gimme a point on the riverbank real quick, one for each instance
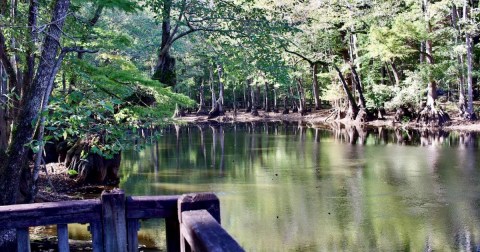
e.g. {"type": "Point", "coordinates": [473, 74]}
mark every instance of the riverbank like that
{"type": "Point", "coordinates": [57, 185]}
{"type": "Point", "coordinates": [324, 117]}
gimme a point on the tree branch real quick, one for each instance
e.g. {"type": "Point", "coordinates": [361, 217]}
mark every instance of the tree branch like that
{"type": "Point", "coordinates": [12, 76]}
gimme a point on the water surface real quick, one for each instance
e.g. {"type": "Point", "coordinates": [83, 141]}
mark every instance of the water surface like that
{"type": "Point", "coordinates": [285, 187]}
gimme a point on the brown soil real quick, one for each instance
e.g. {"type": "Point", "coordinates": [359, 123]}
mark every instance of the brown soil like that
{"type": "Point", "coordinates": [322, 117]}
{"type": "Point", "coordinates": [57, 185]}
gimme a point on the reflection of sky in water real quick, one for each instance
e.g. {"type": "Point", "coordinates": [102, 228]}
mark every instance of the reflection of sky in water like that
{"type": "Point", "coordinates": [285, 188]}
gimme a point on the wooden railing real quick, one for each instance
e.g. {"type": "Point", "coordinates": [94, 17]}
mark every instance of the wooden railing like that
{"type": "Point", "coordinates": [192, 221]}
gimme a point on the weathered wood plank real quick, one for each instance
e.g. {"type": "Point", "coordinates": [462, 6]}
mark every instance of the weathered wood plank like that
{"type": "Point", "coordinates": [204, 233]}
{"type": "Point", "coordinates": [23, 240]}
{"type": "Point", "coordinates": [97, 236]}
{"type": "Point", "coordinates": [197, 201]}
{"type": "Point", "coordinates": [146, 207]}
{"type": "Point", "coordinates": [114, 221]}
{"type": "Point", "coordinates": [62, 234]}
{"type": "Point", "coordinates": [172, 229]}
{"type": "Point", "coordinates": [133, 225]}
{"type": "Point", "coordinates": [41, 214]}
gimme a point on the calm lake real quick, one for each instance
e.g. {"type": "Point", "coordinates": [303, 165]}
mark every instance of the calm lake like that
{"type": "Point", "coordinates": [288, 188]}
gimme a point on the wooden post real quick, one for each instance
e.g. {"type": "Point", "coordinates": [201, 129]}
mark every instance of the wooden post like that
{"type": "Point", "coordinates": [95, 229]}
{"type": "Point", "coordinates": [62, 234]}
{"type": "Point", "coordinates": [197, 201]}
{"type": "Point", "coordinates": [172, 228]}
{"type": "Point", "coordinates": [114, 221]}
{"type": "Point", "coordinates": [133, 225]}
{"type": "Point", "coordinates": [23, 240]}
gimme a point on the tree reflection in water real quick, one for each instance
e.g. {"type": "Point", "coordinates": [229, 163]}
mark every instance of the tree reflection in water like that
{"type": "Point", "coordinates": [288, 187]}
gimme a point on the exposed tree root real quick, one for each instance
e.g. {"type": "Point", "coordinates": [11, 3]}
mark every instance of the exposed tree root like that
{"type": "Point", "coordinates": [431, 116]}
{"type": "Point", "coordinates": [92, 168]}
{"type": "Point", "coordinates": [202, 110]}
{"type": "Point", "coordinates": [216, 111]}
{"type": "Point", "coordinates": [404, 113]}
{"type": "Point", "coordinates": [179, 112]}
{"type": "Point", "coordinates": [254, 112]}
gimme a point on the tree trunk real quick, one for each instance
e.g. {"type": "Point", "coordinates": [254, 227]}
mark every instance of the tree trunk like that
{"type": "Point", "coordinates": [285, 105]}
{"type": "Point", "coordinates": [395, 74]}
{"type": "Point", "coordinates": [316, 92]}
{"type": "Point", "coordinates": [468, 40]}
{"type": "Point", "coordinates": [15, 86]}
{"type": "Point", "coordinates": [254, 100]}
{"type": "Point", "coordinates": [202, 110]}
{"type": "Point", "coordinates": [383, 74]}
{"type": "Point", "coordinates": [24, 128]}
{"type": "Point", "coordinates": [220, 87]}
{"type": "Point", "coordinates": [32, 38]}
{"type": "Point", "coordinates": [359, 87]}
{"type": "Point", "coordinates": [461, 76]}
{"type": "Point", "coordinates": [275, 106]}
{"type": "Point", "coordinates": [165, 67]}
{"type": "Point", "coordinates": [294, 101]}
{"type": "Point", "coordinates": [430, 114]}
{"type": "Point", "coordinates": [266, 106]}
{"type": "Point", "coordinates": [245, 105]}
{"type": "Point", "coordinates": [4, 120]}
{"type": "Point", "coordinates": [234, 101]}
{"type": "Point", "coordinates": [352, 105]}
{"type": "Point", "coordinates": [301, 97]}
{"type": "Point", "coordinates": [212, 88]}
{"type": "Point", "coordinates": [432, 85]}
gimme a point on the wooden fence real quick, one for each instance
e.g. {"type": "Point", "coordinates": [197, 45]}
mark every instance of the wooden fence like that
{"type": "Point", "coordinates": [192, 221]}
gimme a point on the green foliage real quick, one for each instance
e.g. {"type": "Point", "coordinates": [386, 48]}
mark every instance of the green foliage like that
{"type": "Point", "coordinates": [72, 173]}
{"type": "Point", "coordinates": [378, 95]}
{"type": "Point", "coordinates": [411, 91]}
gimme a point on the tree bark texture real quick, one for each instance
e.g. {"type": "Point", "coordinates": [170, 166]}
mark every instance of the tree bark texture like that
{"type": "Point", "coordinates": [165, 67]}
{"type": "Point", "coordinates": [24, 127]}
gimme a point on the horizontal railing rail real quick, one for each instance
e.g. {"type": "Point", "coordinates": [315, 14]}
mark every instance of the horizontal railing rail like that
{"type": "Point", "coordinates": [204, 233]}
{"type": "Point", "coordinates": [192, 221]}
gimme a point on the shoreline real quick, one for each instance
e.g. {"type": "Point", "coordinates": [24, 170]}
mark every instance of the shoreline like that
{"type": "Point", "coordinates": [322, 118]}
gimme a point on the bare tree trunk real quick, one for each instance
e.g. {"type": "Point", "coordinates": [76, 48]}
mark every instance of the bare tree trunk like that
{"type": "Point", "coordinates": [247, 96]}
{"type": "Point", "coordinates": [254, 100]}
{"type": "Point", "coordinates": [462, 104]}
{"type": "Point", "coordinates": [468, 40]}
{"type": "Point", "coordinates": [234, 102]}
{"type": "Point", "coordinates": [275, 106]}
{"type": "Point", "coordinates": [294, 101]}
{"type": "Point", "coordinates": [266, 105]}
{"type": "Point", "coordinates": [301, 97]}
{"type": "Point", "coordinates": [202, 110]}
{"type": "Point", "coordinates": [32, 37]}
{"type": "Point", "coordinates": [422, 55]}
{"type": "Point", "coordinates": [432, 85]}
{"type": "Point", "coordinates": [356, 78]}
{"type": "Point", "coordinates": [383, 74]}
{"type": "Point", "coordinates": [220, 88]}
{"type": "Point", "coordinates": [15, 85]}
{"type": "Point", "coordinates": [24, 130]}
{"type": "Point", "coordinates": [316, 92]}
{"type": "Point", "coordinates": [431, 115]}
{"type": "Point", "coordinates": [212, 88]}
{"type": "Point", "coordinates": [4, 120]}
{"type": "Point", "coordinates": [395, 74]}
{"type": "Point", "coordinates": [352, 105]}
{"type": "Point", "coordinates": [165, 67]}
